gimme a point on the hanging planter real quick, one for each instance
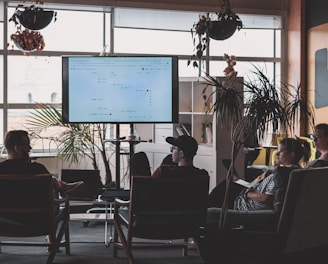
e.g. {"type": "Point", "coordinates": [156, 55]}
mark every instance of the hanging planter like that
{"type": "Point", "coordinates": [218, 26]}
{"type": "Point", "coordinates": [224, 29]}
{"type": "Point", "coordinates": [33, 17]}
{"type": "Point", "coordinates": [28, 41]}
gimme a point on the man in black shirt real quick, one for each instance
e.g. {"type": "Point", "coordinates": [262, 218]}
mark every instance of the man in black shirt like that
{"type": "Point", "coordinates": [17, 144]}
{"type": "Point", "coordinates": [183, 149]}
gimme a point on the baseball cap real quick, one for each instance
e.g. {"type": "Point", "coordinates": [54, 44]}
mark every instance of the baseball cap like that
{"type": "Point", "coordinates": [188, 144]}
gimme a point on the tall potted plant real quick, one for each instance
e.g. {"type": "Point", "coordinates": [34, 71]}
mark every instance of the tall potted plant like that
{"type": "Point", "coordinates": [264, 106]}
{"type": "Point", "coordinates": [74, 141]}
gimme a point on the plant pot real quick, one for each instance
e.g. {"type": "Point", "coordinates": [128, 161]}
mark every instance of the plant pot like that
{"type": "Point", "coordinates": [34, 19]}
{"type": "Point", "coordinates": [223, 29]}
{"type": "Point", "coordinates": [28, 40]}
{"type": "Point", "coordinates": [217, 246]}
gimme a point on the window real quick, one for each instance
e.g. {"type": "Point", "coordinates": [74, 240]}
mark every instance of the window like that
{"type": "Point", "coordinates": [37, 78]}
{"type": "Point", "coordinates": [34, 79]}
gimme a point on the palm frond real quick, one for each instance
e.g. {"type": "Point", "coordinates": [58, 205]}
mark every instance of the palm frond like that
{"type": "Point", "coordinates": [73, 142]}
{"type": "Point", "coordinates": [227, 99]}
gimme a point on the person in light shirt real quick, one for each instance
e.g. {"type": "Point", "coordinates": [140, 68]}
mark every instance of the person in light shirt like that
{"type": "Point", "coordinates": [291, 152]}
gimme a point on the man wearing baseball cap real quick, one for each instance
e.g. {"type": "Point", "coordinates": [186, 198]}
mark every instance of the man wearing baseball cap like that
{"type": "Point", "coordinates": [183, 149]}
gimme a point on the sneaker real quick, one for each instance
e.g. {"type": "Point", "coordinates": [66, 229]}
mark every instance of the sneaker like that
{"type": "Point", "coordinates": [72, 187]}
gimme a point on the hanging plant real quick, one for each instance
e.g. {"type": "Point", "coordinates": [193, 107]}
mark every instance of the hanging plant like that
{"type": "Point", "coordinates": [218, 26]}
{"type": "Point", "coordinates": [28, 41]}
{"type": "Point", "coordinates": [33, 17]}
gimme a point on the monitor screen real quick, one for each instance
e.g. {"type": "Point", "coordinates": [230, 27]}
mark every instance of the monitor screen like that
{"type": "Point", "coordinates": [122, 89]}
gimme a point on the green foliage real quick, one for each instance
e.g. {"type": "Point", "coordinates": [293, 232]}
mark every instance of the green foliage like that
{"type": "Point", "coordinates": [266, 106]}
{"type": "Point", "coordinates": [73, 141]}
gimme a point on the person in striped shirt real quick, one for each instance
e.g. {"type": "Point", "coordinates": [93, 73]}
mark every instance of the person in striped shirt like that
{"type": "Point", "coordinates": [291, 152]}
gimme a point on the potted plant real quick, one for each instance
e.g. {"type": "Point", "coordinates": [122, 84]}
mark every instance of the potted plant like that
{"type": "Point", "coordinates": [74, 141]}
{"type": "Point", "coordinates": [218, 26]}
{"type": "Point", "coordinates": [260, 107]}
{"type": "Point", "coordinates": [28, 41]}
{"type": "Point", "coordinates": [33, 18]}
{"type": "Point", "coordinates": [265, 105]}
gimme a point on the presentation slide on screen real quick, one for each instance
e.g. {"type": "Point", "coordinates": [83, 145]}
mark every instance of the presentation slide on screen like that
{"type": "Point", "coordinates": [120, 89]}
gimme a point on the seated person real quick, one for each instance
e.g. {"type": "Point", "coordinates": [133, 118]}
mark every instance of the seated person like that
{"type": "Point", "coordinates": [139, 164]}
{"type": "Point", "coordinates": [320, 139]}
{"type": "Point", "coordinates": [17, 144]}
{"type": "Point", "coordinates": [262, 196]}
{"type": "Point", "coordinates": [183, 149]}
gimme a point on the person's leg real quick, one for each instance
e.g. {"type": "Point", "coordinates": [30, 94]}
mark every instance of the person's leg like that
{"type": "Point", "coordinates": [65, 188]}
{"type": "Point", "coordinates": [216, 196]}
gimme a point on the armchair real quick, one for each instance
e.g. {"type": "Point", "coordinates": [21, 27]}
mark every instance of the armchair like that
{"type": "Point", "coordinates": [297, 234]}
{"type": "Point", "coordinates": [160, 209]}
{"type": "Point", "coordinates": [28, 209]}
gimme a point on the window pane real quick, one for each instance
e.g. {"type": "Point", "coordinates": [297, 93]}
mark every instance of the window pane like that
{"type": "Point", "coordinates": [152, 41]}
{"type": "Point", "coordinates": [261, 21]}
{"type": "Point", "coordinates": [247, 69]}
{"type": "Point", "coordinates": [1, 127]}
{"type": "Point", "coordinates": [182, 20]}
{"type": "Point", "coordinates": [72, 31]}
{"type": "Point", "coordinates": [107, 40]}
{"type": "Point", "coordinates": [75, 31]}
{"type": "Point", "coordinates": [1, 11]}
{"type": "Point", "coordinates": [187, 71]}
{"type": "Point", "coordinates": [244, 69]}
{"type": "Point", "coordinates": [278, 43]}
{"type": "Point", "coordinates": [34, 79]}
{"type": "Point", "coordinates": [154, 19]}
{"type": "Point", "coordinates": [1, 79]}
{"type": "Point", "coordinates": [246, 42]}
{"type": "Point", "coordinates": [1, 34]}
{"type": "Point", "coordinates": [17, 119]}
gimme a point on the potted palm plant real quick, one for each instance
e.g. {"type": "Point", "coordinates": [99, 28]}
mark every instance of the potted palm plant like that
{"type": "Point", "coordinates": [260, 107]}
{"type": "Point", "coordinates": [74, 141]}
{"type": "Point", "coordinates": [264, 106]}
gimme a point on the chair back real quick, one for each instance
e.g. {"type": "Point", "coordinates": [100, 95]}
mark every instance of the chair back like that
{"type": "Point", "coordinates": [26, 205]}
{"type": "Point", "coordinates": [305, 213]}
{"type": "Point", "coordinates": [168, 208]}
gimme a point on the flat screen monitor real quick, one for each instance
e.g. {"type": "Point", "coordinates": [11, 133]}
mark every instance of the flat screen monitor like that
{"type": "Point", "coordinates": [120, 89]}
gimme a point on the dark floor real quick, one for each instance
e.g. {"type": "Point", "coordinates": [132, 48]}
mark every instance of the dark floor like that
{"type": "Point", "coordinates": [87, 246]}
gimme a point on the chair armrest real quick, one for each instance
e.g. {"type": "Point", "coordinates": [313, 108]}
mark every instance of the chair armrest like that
{"type": "Point", "coordinates": [264, 220]}
{"type": "Point", "coordinates": [119, 202]}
